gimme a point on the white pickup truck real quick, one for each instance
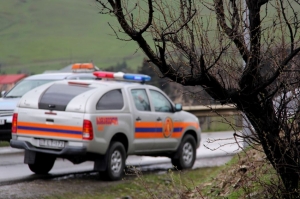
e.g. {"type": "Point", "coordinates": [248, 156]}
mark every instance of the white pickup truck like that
{"type": "Point", "coordinates": [103, 121]}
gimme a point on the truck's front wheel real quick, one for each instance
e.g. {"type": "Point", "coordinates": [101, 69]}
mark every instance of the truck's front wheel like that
{"type": "Point", "coordinates": [43, 163]}
{"type": "Point", "coordinates": [186, 153]}
{"type": "Point", "coordinates": [116, 156]}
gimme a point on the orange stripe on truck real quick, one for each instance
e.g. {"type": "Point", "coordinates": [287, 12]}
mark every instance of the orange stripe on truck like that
{"type": "Point", "coordinates": [50, 130]}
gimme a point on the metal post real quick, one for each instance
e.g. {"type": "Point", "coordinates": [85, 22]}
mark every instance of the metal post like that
{"type": "Point", "coordinates": [246, 124]}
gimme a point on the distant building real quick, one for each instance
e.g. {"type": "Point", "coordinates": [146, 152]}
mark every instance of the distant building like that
{"type": "Point", "coordinates": [8, 81]}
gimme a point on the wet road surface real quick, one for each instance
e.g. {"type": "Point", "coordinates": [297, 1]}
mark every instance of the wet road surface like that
{"type": "Point", "coordinates": [215, 149]}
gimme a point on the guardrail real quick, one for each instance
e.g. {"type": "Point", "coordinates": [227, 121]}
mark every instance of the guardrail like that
{"type": "Point", "coordinates": [212, 118]}
{"type": "Point", "coordinates": [212, 110]}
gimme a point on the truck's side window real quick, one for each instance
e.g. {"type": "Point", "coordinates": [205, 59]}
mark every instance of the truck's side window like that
{"type": "Point", "coordinates": [160, 102]}
{"type": "Point", "coordinates": [112, 100]}
{"type": "Point", "coordinates": [141, 100]}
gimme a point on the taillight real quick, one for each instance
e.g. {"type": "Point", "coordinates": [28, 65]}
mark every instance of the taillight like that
{"type": "Point", "coordinates": [87, 131]}
{"type": "Point", "coordinates": [14, 123]}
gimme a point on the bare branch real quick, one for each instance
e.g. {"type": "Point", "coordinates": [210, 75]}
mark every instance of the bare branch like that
{"type": "Point", "coordinates": [150, 17]}
{"type": "Point", "coordinates": [278, 71]}
{"type": "Point", "coordinates": [232, 33]}
{"type": "Point", "coordinates": [288, 25]}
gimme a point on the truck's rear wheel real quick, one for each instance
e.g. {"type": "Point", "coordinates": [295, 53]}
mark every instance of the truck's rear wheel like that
{"type": "Point", "coordinates": [186, 153]}
{"type": "Point", "coordinates": [116, 156]}
{"type": "Point", "coordinates": [43, 163]}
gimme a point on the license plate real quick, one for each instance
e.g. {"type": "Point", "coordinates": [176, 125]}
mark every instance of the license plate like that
{"type": "Point", "coordinates": [57, 144]}
{"type": "Point", "coordinates": [2, 122]}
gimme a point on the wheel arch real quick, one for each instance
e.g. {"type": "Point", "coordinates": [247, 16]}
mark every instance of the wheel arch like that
{"type": "Point", "coordinates": [193, 134]}
{"type": "Point", "coordinates": [121, 137]}
{"type": "Point", "coordinates": [184, 157]}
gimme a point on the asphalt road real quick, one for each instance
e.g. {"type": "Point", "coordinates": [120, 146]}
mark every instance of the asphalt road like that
{"type": "Point", "coordinates": [216, 149]}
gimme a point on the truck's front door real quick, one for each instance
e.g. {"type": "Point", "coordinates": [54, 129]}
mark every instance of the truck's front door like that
{"type": "Point", "coordinates": [145, 121]}
{"type": "Point", "coordinates": [169, 134]}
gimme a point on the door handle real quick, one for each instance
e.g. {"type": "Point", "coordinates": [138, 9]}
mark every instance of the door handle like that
{"type": "Point", "coordinates": [158, 119]}
{"type": "Point", "coordinates": [138, 119]}
{"type": "Point", "coordinates": [50, 120]}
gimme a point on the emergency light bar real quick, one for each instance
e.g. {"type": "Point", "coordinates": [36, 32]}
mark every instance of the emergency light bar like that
{"type": "Point", "coordinates": [122, 76]}
{"type": "Point", "coordinates": [83, 67]}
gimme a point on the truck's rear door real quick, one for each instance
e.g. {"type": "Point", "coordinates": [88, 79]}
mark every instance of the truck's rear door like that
{"type": "Point", "coordinates": [56, 119]}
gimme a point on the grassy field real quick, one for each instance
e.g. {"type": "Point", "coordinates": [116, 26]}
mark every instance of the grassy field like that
{"type": "Point", "coordinates": [41, 35]}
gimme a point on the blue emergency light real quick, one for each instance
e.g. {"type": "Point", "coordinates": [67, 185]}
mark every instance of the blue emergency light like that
{"type": "Point", "coordinates": [137, 77]}
{"type": "Point", "coordinates": [122, 76]}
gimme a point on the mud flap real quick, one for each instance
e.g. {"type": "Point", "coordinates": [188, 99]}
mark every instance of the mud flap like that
{"type": "Point", "coordinates": [29, 157]}
{"type": "Point", "coordinates": [100, 163]}
{"type": "Point", "coordinates": [175, 155]}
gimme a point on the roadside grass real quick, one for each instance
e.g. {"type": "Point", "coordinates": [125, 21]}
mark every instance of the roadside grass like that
{"type": "Point", "coordinates": [216, 124]}
{"type": "Point", "coordinates": [4, 144]}
{"type": "Point", "coordinates": [170, 184]}
{"type": "Point", "coordinates": [246, 175]}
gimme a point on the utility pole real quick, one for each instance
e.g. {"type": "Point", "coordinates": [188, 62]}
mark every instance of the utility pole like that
{"type": "Point", "coordinates": [246, 124]}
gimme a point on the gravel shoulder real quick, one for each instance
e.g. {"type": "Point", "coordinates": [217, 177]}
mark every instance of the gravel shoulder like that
{"type": "Point", "coordinates": [81, 183]}
{"type": "Point", "coordinates": [88, 183]}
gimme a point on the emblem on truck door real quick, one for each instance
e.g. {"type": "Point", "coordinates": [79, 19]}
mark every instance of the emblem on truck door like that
{"type": "Point", "coordinates": [168, 127]}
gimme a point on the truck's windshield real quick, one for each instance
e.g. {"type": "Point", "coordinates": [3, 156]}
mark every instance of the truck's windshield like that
{"type": "Point", "coordinates": [24, 86]}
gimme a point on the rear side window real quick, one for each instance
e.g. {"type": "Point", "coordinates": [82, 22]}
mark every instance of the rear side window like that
{"type": "Point", "coordinates": [112, 100]}
{"type": "Point", "coordinates": [57, 96]}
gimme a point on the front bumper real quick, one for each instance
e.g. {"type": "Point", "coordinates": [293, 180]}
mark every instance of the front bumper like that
{"type": "Point", "coordinates": [68, 150]}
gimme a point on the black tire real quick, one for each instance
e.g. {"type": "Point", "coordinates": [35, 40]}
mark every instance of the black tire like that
{"type": "Point", "coordinates": [43, 163]}
{"type": "Point", "coordinates": [116, 157]}
{"type": "Point", "coordinates": [185, 156]}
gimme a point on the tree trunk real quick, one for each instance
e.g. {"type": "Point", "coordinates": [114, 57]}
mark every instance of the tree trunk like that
{"type": "Point", "coordinates": [286, 164]}
{"type": "Point", "coordinates": [284, 160]}
{"type": "Point", "coordinates": [280, 151]}
{"type": "Point", "coordinates": [290, 179]}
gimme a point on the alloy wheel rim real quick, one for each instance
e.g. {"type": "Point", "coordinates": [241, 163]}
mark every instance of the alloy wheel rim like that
{"type": "Point", "coordinates": [187, 153]}
{"type": "Point", "coordinates": [116, 162]}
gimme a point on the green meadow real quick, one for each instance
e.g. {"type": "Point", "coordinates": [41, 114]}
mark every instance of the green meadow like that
{"type": "Point", "coordinates": [39, 35]}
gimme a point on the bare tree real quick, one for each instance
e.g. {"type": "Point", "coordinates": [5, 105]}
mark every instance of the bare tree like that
{"type": "Point", "coordinates": [247, 57]}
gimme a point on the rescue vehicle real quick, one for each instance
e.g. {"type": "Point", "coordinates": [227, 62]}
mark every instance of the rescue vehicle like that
{"type": "Point", "coordinates": [103, 121]}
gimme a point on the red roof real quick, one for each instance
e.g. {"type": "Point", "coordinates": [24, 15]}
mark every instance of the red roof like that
{"type": "Point", "coordinates": [8, 79]}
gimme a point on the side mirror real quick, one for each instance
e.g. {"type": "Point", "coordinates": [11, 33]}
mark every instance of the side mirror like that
{"type": "Point", "coordinates": [178, 107]}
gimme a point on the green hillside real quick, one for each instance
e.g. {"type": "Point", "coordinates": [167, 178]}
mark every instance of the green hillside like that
{"type": "Point", "coordinates": [39, 35]}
